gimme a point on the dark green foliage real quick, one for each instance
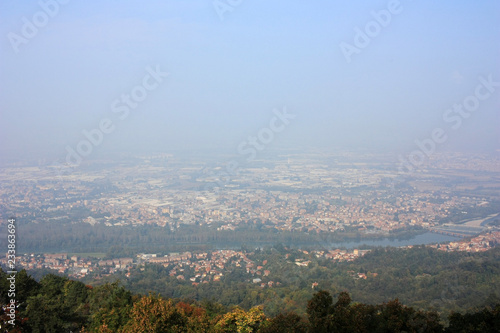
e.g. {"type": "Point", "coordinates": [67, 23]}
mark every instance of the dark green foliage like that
{"type": "Point", "coordinates": [58, 304]}
{"type": "Point", "coordinates": [52, 285]}
{"type": "Point", "coordinates": [388, 317]}
{"type": "Point", "coordinates": [483, 321]}
{"type": "Point", "coordinates": [45, 314]}
{"type": "Point", "coordinates": [110, 305]}
{"type": "Point", "coordinates": [319, 309]}
{"type": "Point", "coordinates": [26, 286]}
{"type": "Point", "coordinates": [286, 323]}
{"type": "Point", "coordinates": [213, 308]}
{"type": "Point", "coordinates": [75, 296]}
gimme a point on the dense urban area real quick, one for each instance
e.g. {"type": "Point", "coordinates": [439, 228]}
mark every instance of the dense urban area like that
{"type": "Point", "coordinates": [316, 193]}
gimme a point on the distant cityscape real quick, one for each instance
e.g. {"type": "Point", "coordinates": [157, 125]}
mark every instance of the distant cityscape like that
{"type": "Point", "coordinates": [313, 193]}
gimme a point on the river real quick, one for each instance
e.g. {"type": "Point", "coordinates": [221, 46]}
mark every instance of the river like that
{"type": "Point", "coordinates": [422, 239]}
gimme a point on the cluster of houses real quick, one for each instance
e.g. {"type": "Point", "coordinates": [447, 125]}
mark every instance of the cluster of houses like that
{"type": "Point", "coordinates": [480, 243]}
{"type": "Point", "coordinates": [72, 265]}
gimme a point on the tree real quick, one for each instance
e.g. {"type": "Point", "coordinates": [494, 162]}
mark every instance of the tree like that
{"type": "Point", "coordinates": [109, 305]}
{"type": "Point", "coordinates": [286, 323]}
{"type": "Point", "coordinates": [484, 321]}
{"type": "Point", "coordinates": [154, 314]}
{"type": "Point", "coordinates": [318, 310]}
{"type": "Point", "coordinates": [45, 314]}
{"type": "Point", "coordinates": [52, 285]}
{"type": "Point", "coordinates": [240, 321]}
{"type": "Point", "coordinates": [76, 296]}
{"type": "Point", "coordinates": [197, 319]}
{"type": "Point", "coordinates": [395, 317]}
{"type": "Point", "coordinates": [26, 286]}
{"type": "Point", "coordinates": [340, 319]}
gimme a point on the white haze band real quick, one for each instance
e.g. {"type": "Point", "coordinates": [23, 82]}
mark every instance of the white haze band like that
{"type": "Point", "coordinates": [453, 115]}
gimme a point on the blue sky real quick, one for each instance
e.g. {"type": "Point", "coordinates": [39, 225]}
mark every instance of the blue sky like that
{"type": "Point", "coordinates": [226, 76]}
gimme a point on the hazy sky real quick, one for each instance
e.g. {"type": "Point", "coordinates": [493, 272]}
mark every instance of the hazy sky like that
{"type": "Point", "coordinates": [384, 88]}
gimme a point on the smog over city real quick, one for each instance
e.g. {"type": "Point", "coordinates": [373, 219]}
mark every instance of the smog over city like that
{"type": "Point", "coordinates": [239, 163]}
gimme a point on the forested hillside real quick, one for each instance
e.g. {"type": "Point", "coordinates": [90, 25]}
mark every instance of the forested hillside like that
{"type": "Point", "coordinates": [421, 277]}
{"type": "Point", "coordinates": [419, 289]}
{"type": "Point", "coordinates": [57, 304]}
